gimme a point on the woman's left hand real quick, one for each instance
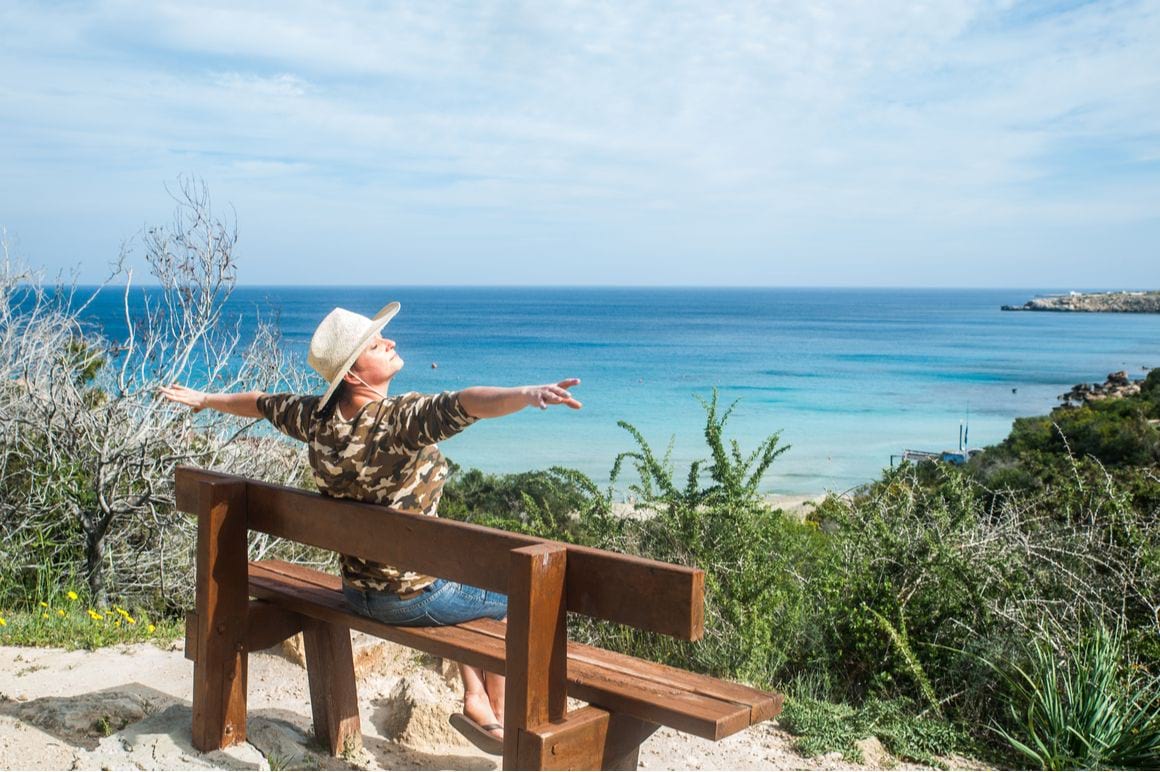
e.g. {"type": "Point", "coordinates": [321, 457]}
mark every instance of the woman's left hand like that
{"type": "Point", "coordinates": [175, 392]}
{"type": "Point", "coordinates": [553, 394]}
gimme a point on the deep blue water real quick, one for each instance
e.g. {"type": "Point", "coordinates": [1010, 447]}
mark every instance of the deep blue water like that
{"type": "Point", "coordinates": [848, 376]}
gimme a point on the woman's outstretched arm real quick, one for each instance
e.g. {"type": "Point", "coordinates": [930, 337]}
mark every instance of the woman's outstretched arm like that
{"type": "Point", "coordinates": [243, 403]}
{"type": "Point", "coordinates": [494, 401]}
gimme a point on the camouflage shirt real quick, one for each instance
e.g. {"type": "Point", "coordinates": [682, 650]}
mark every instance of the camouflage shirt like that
{"type": "Point", "coordinates": [385, 454]}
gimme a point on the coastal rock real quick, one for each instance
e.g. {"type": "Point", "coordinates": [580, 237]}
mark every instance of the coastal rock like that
{"type": "Point", "coordinates": [1095, 302]}
{"type": "Point", "coordinates": [1118, 384]}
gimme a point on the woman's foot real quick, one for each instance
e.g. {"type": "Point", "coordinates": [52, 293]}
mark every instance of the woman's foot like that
{"type": "Point", "coordinates": [477, 707]}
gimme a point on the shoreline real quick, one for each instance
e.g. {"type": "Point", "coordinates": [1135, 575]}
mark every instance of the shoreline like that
{"type": "Point", "coordinates": [794, 504]}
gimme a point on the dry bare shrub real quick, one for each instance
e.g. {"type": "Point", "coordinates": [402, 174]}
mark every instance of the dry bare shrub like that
{"type": "Point", "coordinates": [88, 449]}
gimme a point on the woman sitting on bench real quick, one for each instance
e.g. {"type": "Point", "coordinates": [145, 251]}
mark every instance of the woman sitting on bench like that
{"type": "Point", "coordinates": [368, 446]}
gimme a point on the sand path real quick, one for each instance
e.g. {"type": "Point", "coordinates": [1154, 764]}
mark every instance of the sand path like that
{"type": "Point", "coordinates": [128, 707]}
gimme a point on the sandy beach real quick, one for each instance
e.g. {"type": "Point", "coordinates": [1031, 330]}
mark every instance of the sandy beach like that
{"type": "Point", "coordinates": [128, 707]}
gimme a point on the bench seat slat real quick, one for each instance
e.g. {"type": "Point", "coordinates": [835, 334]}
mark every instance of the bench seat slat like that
{"type": "Point", "coordinates": [323, 603]}
{"type": "Point", "coordinates": [681, 700]}
{"type": "Point", "coordinates": [761, 705]}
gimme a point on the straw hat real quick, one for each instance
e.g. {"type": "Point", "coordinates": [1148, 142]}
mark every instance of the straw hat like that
{"type": "Point", "coordinates": [339, 340]}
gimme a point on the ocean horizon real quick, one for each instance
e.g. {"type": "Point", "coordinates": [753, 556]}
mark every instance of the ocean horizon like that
{"type": "Point", "coordinates": [848, 376]}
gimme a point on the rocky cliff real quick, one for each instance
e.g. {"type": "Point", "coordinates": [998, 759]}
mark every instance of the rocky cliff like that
{"type": "Point", "coordinates": [1117, 302]}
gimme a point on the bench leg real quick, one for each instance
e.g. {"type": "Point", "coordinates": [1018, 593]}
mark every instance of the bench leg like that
{"type": "Point", "coordinates": [333, 694]}
{"type": "Point", "coordinates": [219, 693]}
{"type": "Point", "coordinates": [622, 745]}
{"type": "Point", "coordinates": [219, 669]}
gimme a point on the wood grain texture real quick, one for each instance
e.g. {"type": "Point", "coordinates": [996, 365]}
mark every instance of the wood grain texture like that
{"type": "Point", "coordinates": [333, 694]}
{"type": "Point", "coordinates": [575, 742]}
{"type": "Point", "coordinates": [219, 671]}
{"type": "Point", "coordinates": [621, 683]}
{"type": "Point", "coordinates": [268, 624]}
{"type": "Point", "coordinates": [191, 636]}
{"type": "Point", "coordinates": [317, 595]}
{"type": "Point", "coordinates": [536, 643]}
{"type": "Point", "coordinates": [622, 744]}
{"type": "Point", "coordinates": [601, 584]}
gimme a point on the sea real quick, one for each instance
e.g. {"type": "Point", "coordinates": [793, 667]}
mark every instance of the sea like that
{"type": "Point", "coordinates": [848, 378]}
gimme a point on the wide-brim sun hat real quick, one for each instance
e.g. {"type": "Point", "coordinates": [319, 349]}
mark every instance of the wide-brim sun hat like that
{"type": "Point", "coordinates": [340, 338]}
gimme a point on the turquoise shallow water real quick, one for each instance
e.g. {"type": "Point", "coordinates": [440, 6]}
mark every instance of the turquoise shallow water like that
{"type": "Point", "coordinates": [848, 376]}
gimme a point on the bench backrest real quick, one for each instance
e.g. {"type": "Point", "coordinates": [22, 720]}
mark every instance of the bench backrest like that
{"type": "Point", "coordinates": [646, 594]}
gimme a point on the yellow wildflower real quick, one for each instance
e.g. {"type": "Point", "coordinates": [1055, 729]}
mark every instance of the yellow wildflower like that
{"type": "Point", "coordinates": [130, 620]}
{"type": "Point", "coordinates": [44, 615]}
{"type": "Point", "coordinates": [72, 595]}
{"type": "Point", "coordinates": [43, 604]}
{"type": "Point", "coordinates": [3, 622]}
{"type": "Point", "coordinates": [150, 629]}
{"type": "Point", "coordinates": [117, 623]}
{"type": "Point", "coordinates": [60, 612]}
{"type": "Point", "coordinates": [94, 615]}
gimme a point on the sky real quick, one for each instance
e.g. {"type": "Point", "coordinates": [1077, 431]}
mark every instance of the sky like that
{"type": "Point", "coordinates": [815, 143]}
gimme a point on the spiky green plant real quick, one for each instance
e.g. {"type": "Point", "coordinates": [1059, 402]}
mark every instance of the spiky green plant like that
{"type": "Point", "coordinates": [1089, 709]}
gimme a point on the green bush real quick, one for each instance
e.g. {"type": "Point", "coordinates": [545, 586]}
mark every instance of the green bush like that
{"type": "Point", "coordinates": [555, 503]}
{"type": "Point", "coordinates": [891, 600]}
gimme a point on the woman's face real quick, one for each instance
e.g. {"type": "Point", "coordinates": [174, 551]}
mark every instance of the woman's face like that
{"type": "Point", "coordinates": [379, 362]}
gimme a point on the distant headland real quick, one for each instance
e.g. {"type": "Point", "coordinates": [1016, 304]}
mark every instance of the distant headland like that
{"type": "Point", "coordinates": [1126, 302]}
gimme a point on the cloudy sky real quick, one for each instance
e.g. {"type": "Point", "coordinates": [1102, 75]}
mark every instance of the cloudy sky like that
{"type": "Point", "coordinates": [777, 143]}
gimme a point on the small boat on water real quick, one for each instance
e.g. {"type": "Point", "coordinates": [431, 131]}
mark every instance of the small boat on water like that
{"type": "Point", "coordinates": [960, 456]}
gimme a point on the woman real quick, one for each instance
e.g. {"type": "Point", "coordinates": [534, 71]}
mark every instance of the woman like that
{"type": "Point", "coordinates": [366, 445]}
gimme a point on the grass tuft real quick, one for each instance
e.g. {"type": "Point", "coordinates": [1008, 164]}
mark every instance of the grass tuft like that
{"type": "Point", "coordinates": [75, 626]}
{"type": "Point", "coordinates": [826, 727]}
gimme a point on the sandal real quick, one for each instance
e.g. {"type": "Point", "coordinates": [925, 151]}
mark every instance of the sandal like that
{"type": "Point", "coordinates": [478, 735]}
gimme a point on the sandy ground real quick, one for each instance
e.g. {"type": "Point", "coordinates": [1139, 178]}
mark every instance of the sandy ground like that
{"type": "Point", "coordinates": [797, 505]}
{"type": "Point", "coordinates": [129, 708]}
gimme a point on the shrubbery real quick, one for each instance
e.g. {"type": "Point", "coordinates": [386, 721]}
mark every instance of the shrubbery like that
{"type": "Point", "coordinates": [87, 449]}
{"type": "Point", "coordinates": [922, 594]}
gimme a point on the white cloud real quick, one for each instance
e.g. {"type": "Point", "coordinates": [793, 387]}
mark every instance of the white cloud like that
{"type": "Point", "coordinates": [753, 120]}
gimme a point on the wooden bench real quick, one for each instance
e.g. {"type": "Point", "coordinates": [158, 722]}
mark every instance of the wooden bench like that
{"type": "Point", "coordinates": [244, 606]}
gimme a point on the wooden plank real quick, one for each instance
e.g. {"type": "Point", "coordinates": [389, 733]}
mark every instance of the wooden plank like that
{"type": "Point", "coordinates": [481, 643]}
{"type": "Point", "coordinates": [536, 644]}
{"type": "Point", "coordinates": [268, 624]}
{"type": "Point", "coordinates": [321, 603]}
{"type": "Point", "coordinates": [219, 672]}
{"type": "Point", "coordinates": [759, 705]}
{"type": "Point", "coordinates": [576, 741]}
{"type": "Point", "coordinates": [191, 636]}
{"type": "Point", "coordinates": [599, 584]}
{"type": "Point", "coordinates": [333, 694]}
{"type": "Point", "coordinates": [676, 708]}
{"type": "Point", "coordinates": [762, 706]}
{"type": "Point", "coordinates": [639, 592]}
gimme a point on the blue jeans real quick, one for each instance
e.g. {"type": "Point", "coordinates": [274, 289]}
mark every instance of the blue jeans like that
{"type": "Point", "coordinates": [441, 603]}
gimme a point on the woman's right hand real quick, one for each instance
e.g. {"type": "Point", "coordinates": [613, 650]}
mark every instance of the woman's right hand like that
{"type": "Point", "coordinates": [175, 392]}
{"type": "Point", "coordinates": [552, 394]}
